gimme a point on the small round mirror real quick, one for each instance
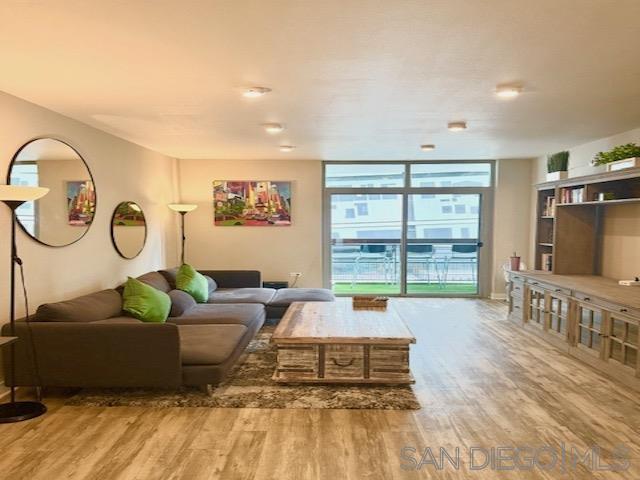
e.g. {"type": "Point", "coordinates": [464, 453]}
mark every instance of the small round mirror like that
{"type": "Point", "coordinates": [128, 229]}
{"type": "Point", "coordinates": [64, 215]}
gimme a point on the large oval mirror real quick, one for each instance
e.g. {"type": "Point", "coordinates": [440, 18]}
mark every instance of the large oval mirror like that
{"type": "Point", "coordinates": [128, 229]}
{"type": "Point", "coordinates": [64, 215]}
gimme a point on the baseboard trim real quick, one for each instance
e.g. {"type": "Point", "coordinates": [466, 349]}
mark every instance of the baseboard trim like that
{"type": "Point", "coordinates": [498, 296]}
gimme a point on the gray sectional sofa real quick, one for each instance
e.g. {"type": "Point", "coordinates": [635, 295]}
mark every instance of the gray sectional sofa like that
{"type": "Point", "coordinates": [89, 342]}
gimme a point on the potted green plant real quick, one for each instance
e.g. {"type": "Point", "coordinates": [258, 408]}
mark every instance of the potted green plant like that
{"type": "Point", "coordinates": [557, 166]}
{"type": "Point", "coordinates": [620, 157]}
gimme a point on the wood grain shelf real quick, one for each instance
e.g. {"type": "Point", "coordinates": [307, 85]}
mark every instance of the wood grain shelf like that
{"type": "Point", "coordinates": [601, 202]}
{"type": "Point", "coordinates": [577, 228]}
{"type": "Point", "coordinates": [619, 175]}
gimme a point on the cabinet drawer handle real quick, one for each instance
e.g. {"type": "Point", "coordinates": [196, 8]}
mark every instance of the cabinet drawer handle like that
{"type": "Point", "coordinates": [338, 364]}
{"type": "Point", "coordinates": [534, 283]}
{"type": "Point", "coordinates": [558, 289]}
{"type": "Point", "coordinates": [587, 299]}
{"type": "Point", "coordinates": [516, 288]}
{"type": "Point", "coordinates": [516, 306]}
{"type": "Point", "coordinates": [623, 310]}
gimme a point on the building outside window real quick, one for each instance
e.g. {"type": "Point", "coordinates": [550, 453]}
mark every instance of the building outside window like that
{"type": "Point", "coordinates": [362, 209]}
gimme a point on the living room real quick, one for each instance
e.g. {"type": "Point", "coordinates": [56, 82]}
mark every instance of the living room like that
{"type": "Point", "coordinates": [291, 239]}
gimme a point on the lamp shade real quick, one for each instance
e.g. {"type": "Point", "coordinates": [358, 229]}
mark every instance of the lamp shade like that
{"type": "Point", "coordinates": [19, 193]}
{"type": "Point", "coordinates": [182, 207]}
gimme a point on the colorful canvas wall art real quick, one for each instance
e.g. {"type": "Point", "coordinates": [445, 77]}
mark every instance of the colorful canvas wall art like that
{"type": "Point", "coordinates": [81, 202]}
{"type": "Point", "coordinates": [252, 203]}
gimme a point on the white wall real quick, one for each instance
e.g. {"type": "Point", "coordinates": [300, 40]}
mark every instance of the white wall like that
{"type": "Point", "coordinates": [621, 229]}
{"type": "Point", "coordinates": [275, 251]}
{"type": "Point", "coordinates": [511, 217]}
{"type": "Point", "coordinates": [122, 171]}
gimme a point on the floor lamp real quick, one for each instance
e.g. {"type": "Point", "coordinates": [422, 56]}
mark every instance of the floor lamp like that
{"type": "Point", "coordinates": [182, 209]}
{"type": "Point", "coordinates": [13, 196]}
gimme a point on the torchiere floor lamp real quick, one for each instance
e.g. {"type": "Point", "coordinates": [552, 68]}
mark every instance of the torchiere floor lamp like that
{"type": "Point", "coordinates": [182, 209]}
{"type": "Point", "coordinates": [13, 196]}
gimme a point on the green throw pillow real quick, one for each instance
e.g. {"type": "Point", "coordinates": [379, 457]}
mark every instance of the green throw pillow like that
{"type": "Point", "coordinates": [192, 282]}
{"type": "Point", "coordinates": [145, 302]}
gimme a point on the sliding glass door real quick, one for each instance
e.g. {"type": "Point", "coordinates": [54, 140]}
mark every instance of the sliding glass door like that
{"type": "Point", "coordinates": [442, 243]}
{"type": "Point", "coordinates": [407, 228]}
{"type": "Point", "coordinates": [366, 233]}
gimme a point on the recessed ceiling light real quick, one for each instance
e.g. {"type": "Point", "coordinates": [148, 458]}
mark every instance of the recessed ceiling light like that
{"type": "Point", "coordinates": [286, 148]}
{"type": "Point", "coordinates": [427, 148]}
{"type": "Point", "coordinates": [272, 128]}
{"type": "Point", "coordinates": [457, 126]}
{"type": "Point", "coordinates": [255, 92]}
{"type": "Point", "coordinates": [508, 91]}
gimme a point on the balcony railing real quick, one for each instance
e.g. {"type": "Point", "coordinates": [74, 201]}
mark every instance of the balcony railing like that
{"type": "Point", "coordinates": [372, 267]}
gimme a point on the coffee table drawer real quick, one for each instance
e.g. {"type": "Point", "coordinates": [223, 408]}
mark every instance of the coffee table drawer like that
{"type": "Point", "coordinates": [297, 361]}
{"type": "Point", "coordinates": [389, 362]}
{"type": "Point", "coordinates": [343, 361]}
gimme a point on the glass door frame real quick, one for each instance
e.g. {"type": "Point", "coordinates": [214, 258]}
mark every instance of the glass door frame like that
{"type": "Point", "coordinates": [485, 232]}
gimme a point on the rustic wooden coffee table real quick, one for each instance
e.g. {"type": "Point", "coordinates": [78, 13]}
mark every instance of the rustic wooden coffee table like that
{"type": "Point", "coordinates": [330, 342]}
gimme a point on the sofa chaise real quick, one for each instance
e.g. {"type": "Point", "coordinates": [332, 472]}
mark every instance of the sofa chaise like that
{"type": "Point", "coordinates": [90, 342]}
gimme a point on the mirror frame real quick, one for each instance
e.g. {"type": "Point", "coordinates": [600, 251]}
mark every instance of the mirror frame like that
{"type": "Point", "coordinates": [13, 161]}
{"type": "Point", "coordinates": [113, 238]}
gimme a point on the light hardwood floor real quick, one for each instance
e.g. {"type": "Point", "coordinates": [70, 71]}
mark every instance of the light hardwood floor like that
{"type": "Point", "coordinates": [482, 383]}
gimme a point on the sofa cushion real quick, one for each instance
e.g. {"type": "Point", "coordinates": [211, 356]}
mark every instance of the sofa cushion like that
{"type": "Point", "coordinates": [156, 280]}
{"type": "Point", "coordinates": [118, 320]}
{"type": "Point", "coordinates": [88, 308]}
{"type": "Point", "coordinates": [235, 278]}
{"type": "Point", "coordinates": [145, 302]}
{"type": "Point", "coordinates": [194, 283]}
{"type": "Point", "coordinates": [209, 344]}
{"type": "Point", "coordinates": [213, 286]}
{"type": "Point", "coordinates": [181, 302]}
{"type": "Point", "coordinates": [285, 296]}
{"type": "Point", "coordinates": [171, 273]}
{"type": "Point", "coordinates": [206, 314]}
{"type": "Point", "coordinates": [242, 295]}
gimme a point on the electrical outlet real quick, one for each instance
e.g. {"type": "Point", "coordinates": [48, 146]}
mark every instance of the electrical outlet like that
{"type": "Point", "coordinates": [295, 274]}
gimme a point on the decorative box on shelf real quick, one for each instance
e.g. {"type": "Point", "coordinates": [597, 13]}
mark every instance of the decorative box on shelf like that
{"type": "Point", "coordinates": [633, 162]}
{"type": "Point", "coordinates": [553, 176]}
{"type": "Point", "coordinates": [364, 301]}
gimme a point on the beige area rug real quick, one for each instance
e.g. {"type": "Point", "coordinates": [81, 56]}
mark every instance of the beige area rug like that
{"type": "Point", "coordinates": [249, 385]}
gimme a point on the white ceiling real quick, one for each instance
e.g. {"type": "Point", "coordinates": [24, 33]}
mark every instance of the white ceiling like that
{"type": "Point", "coordinates": [351, 79]}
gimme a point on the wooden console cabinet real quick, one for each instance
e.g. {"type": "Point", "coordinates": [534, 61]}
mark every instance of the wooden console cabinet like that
{"type": "Point", "coordinates": [589, 317]}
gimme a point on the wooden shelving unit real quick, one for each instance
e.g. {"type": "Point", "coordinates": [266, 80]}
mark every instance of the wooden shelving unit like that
{"type": "Point", "coordinates": [571, 230]}
{"type": "Point", "coordinates": [572, 306]}
{"type": "Point", "coordinates": [545, 226]}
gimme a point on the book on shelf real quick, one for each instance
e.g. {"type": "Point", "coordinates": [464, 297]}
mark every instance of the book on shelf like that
{"type": "Point", "coordinates": [572, 195]}
{"type": "Point", "coordinates": [547, 262]}
{"type": "Point", "coordinates": [549, 209]}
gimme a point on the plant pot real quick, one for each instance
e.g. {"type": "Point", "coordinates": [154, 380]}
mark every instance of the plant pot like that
{"type": "Point", "coordinates": [633, 162]}
{"type": "Point", "coordinates": [553, 176]}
